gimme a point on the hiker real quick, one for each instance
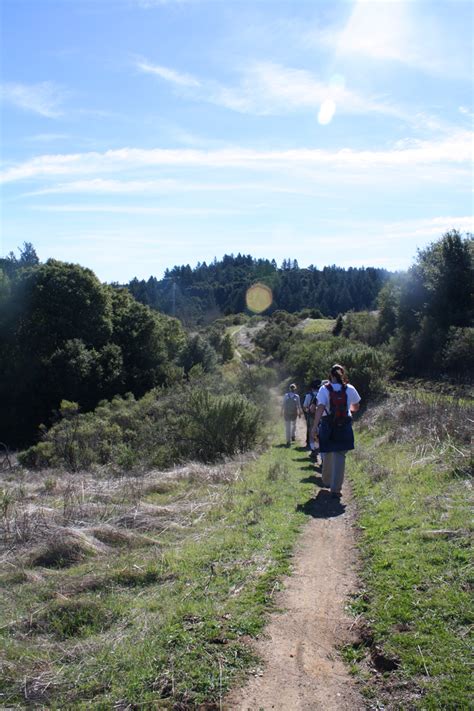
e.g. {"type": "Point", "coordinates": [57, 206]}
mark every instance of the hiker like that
{"type": "Point", "coordinates": [337, 400]}
{"type": "Point", "coordinates": [309, 407]}
{"type": "Point", "coordinates": [291, 409]}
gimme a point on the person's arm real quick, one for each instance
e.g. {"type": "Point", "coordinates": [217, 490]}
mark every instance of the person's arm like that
{"type": "Point", "coordinates": [317, 418]}
{"type": "Point", "coordinates": [354, 402]}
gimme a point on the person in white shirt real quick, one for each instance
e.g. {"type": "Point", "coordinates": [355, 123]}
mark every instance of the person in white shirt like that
{"type": "Point", "coordinates": [337, 400]}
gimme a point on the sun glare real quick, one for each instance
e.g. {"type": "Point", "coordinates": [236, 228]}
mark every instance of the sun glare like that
{"type": "Point", "coordinates": [258, 298]}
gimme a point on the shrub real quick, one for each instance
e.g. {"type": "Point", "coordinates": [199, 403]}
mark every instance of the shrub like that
{"type": "Point", "coordinates": [458, 354]}
{"type": "Point", "coordinates": [367, 367]}
{"type": "Point", "coordinates": [160, 429]}
{"type": "Point", "coordinates": [221, 425]}
{"type": "Point", "coordinates": [361, 326]}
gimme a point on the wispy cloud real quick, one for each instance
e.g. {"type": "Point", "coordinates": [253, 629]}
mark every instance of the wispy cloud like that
{"type": "Point", "coordinates": [44, 98]}
{"type": "Point", "coordinates": [99, 186]}
{"type": "Point", "coordinates": [47, 137]}
{"type": "Point", "coordinates": [454, 150]}
{"type": "Point", "coordinates": [142, 210]}
{"type": "Point", "coordinates": [268, 88]}
{"type": "Point", "coordinates": [167, 74]}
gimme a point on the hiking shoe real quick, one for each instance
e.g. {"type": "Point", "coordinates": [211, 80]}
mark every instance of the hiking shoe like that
{"type": "Point", "coordinates": [293, 439]}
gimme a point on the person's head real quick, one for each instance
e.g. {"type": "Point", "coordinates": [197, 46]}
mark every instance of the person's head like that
{"type": "Point", "coordinates": [337, 374]}
{"type": "Point", "coordinates": [293, 388]}
{"type": "Point", "coordinates": [316, 384]}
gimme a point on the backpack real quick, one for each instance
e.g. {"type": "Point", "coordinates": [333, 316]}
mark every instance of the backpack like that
{"type": "Point", "coordinates": [290, 406]}
{"type": "Point", "coordinates": [313, 405]}
{"type": "Point", "coordinates": [337, 405]}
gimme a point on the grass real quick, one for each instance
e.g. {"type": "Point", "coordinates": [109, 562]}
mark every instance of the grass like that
{"type": "Point", "coordinates": [163, 624]}
{"type": "Point", "coordinates": [320, 325]}
{"type": "Point", "coordinates": [411, 477]}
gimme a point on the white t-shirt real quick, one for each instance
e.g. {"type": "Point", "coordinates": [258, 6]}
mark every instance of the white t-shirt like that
{"type": "Point", "coordinates": [353, 396]}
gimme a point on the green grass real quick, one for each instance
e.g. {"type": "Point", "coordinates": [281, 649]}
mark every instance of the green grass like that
{"type": "Point", "coordinates": [320, 325]}
{"type": "Point", "coordinates": [162, 626]}
{"type": "Point", "coordinates": [414, 514]}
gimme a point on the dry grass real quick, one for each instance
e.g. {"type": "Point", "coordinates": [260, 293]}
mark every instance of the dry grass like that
{"type": "Point", "coordinates": [438, 429]}
{"type": "Point", "coordinates": [58, 519]}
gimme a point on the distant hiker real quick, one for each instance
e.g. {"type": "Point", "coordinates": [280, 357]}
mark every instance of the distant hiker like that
{"type": "Point", "coordinates": [333, 425]}
{"type": "Point", "coordinates": [291, 409]}
{"type": "Point", "coordinates": [309, 407]}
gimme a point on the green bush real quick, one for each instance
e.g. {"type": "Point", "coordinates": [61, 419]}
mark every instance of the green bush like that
{"type": "Point", "coordinates": [165, 427]}
{"type": "Point", "coordinates": [221, 425]}
{"type": "Point", "coordinates": [361, 326]}
{"type": "Point", "coordinates": [458, 354]}
{"type": "Point", "coordinates": [367, 367]}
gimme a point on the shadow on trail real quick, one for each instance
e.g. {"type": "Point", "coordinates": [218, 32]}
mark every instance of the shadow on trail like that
{"type": "Point", "coordinates": [316, 480]}
{"type": "Point", "coordinates": [323, 506]}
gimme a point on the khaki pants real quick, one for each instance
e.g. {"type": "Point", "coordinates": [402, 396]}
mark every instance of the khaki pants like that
{"type": "Point", "coordinates": [333, 470]}
{"type": "Point", "coordinates": [290, 430]}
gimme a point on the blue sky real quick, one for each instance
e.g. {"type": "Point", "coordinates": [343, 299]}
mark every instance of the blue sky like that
{"type": "Point", "coordinates": [140, 134]}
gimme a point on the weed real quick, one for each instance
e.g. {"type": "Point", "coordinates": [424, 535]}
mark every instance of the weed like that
{"type": "Point", "coordinates": [277, 470]}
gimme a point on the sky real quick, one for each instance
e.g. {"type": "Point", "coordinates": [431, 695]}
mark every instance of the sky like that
{"type": "Point", "coordinates": [141, 134]}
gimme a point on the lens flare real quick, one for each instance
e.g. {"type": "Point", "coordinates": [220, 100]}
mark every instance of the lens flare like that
{"type": "Point", "coordinates": [326, 112]}
{"type": "Point", "coordinates": [258, 298]}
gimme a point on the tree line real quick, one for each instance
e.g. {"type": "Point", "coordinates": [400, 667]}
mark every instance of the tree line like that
{"type": "Point", "coordinates": [208, 291]}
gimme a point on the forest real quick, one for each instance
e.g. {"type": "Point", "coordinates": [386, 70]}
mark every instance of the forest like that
{"type": "Point", "coordinates": [199, 295]}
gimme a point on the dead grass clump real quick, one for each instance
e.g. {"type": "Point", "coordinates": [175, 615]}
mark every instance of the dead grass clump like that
{"type": "Point", "coordinates": [20, 523]}
{"type": "Point", "coordinates": [437, 421]}
{"type": "Point", "coordinates": [64, 551]}
{"type": "Point", "coordinates": [158, 487]}
{"type": "Point", "coordinates": [112, 536]}
{"type": "Point", "coordinates": [18, 576]}
{"type": "Point", "coordinates": [143, 520]}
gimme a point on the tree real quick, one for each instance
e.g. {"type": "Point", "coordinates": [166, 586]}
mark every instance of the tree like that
{"type": "Point", "coordinates": [227, 348]}
{"type": "Point", "coordinates": [436, 296]}
{"type": "Point", "coordinates": [338, 326]}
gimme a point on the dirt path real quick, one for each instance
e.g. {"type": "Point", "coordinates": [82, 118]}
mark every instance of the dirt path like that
{"type": "Point", "coordinates": [302, 669]}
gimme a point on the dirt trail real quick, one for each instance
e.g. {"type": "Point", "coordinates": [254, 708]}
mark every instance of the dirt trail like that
{"type": "Point", "coordinates": [302, 669]}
